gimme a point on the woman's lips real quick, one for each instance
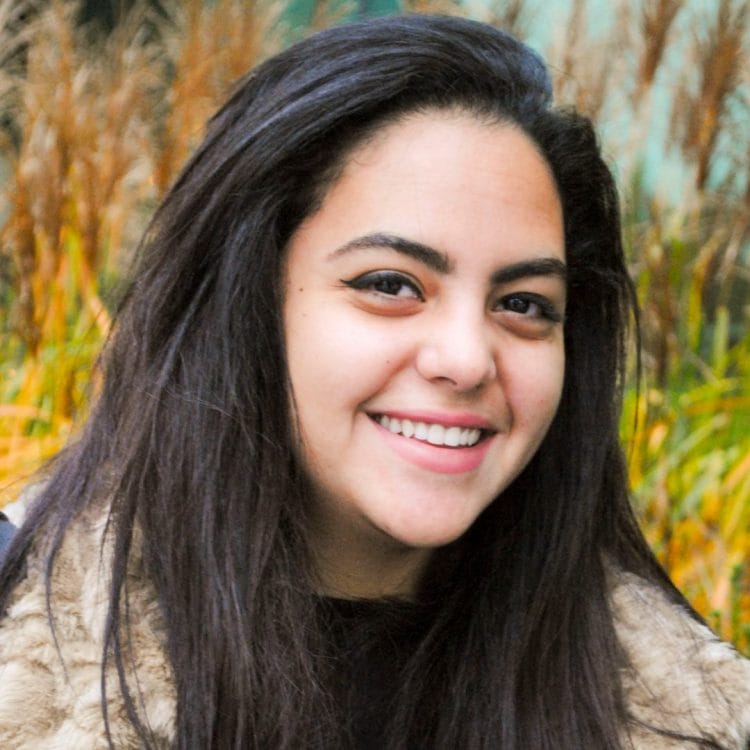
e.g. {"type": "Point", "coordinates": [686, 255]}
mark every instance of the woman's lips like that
{"type": "Point", "coordinates": [441, 445]}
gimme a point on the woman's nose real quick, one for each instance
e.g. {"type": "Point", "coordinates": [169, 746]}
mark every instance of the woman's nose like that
{"type": "Point", "coordinates": [458, 350]}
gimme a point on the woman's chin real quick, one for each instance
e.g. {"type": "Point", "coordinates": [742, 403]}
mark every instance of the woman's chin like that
{"type": "Point", "coordinates": [421, 536]}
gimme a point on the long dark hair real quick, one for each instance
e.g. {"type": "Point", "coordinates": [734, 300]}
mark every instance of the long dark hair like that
{"type": "Point", "coordinates": [190, 441]}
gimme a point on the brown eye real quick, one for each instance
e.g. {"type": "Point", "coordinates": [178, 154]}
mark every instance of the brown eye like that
{"type": "Point", "coordinates": [518, 305]}
{"type": "Point", "coordinates": [387, 283]}
{"type": "Point", "coordinates": [532, 306]}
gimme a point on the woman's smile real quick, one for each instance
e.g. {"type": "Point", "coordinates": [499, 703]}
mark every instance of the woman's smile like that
{"type": "Point", "coordinates": [447, 444]}
{"type": "Point", "coordinates": [433, 433]}
{"type": "Point", "coordinates": [423, 313]}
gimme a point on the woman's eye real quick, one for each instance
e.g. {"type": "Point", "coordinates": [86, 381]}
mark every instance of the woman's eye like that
{"type": "Point", "coordinates": [387, 283]}
{"type": "Point", "coordinates": [529, 305]}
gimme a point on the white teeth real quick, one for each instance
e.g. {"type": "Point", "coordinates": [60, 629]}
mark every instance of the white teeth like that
{"type": "Point", "coordinates": [435, 434]}
{"type": "Point", "coordinates": [453, 436]}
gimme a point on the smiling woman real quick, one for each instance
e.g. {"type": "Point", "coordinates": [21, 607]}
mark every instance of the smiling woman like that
{"type": "Point", "coordinates": [354, 478]}
{"type": "Point", "coordinates": [442, 305]}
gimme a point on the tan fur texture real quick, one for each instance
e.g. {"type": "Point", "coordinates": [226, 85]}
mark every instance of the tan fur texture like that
{"type": "Point", "coordinates": [681, 677]}
{"type": "Point", "coordinates": [45, 706]}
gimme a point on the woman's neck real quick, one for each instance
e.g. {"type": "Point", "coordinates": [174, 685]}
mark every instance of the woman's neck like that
{"type": "Point", "coordinates": [364, 563]}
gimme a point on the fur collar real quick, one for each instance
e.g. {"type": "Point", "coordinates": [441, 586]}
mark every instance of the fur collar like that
{"type": "Point", "coordinates": [681, 676]}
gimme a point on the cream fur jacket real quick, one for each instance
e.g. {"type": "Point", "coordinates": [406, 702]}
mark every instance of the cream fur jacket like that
{"type": "Point", "coordinates": [683, 679]}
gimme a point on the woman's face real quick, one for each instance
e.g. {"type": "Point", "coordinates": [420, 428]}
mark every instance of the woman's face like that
{"type": "Point", "coordinates": [423, 320]}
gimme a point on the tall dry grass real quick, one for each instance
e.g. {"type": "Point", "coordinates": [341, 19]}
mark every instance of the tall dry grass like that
{"type": "Point", "coordinates": [103, 127]}
{"type": "Point", "coordinates": [96, 131]}
{"type": "Point", "coordinates": [689, 250]}
{"type": "Point", "coordinates": [76, 177]}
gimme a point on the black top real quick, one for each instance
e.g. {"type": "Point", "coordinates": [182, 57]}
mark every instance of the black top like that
{"type": "Point", "coordinates": [372, 642]}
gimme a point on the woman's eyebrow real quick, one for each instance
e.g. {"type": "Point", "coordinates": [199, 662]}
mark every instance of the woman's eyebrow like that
{"type": "Point", "coordinates": [527, 268]}
{"type": "Point", "coordinates": [425, 254]}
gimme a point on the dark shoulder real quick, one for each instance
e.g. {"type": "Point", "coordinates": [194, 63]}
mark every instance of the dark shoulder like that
{"type": "Point", "coordinates": [7, 530]}
{"type": "Point", "coordinates": [680, 676]}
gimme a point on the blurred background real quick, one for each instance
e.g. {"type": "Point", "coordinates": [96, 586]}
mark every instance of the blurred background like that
{"type": "Point", "coordinates": [101, 102]}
